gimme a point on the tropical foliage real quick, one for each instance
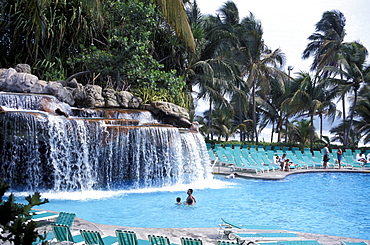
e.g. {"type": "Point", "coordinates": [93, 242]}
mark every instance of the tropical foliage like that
{"type": "Point", "coordinates": [15, 219]}
{"type": "Point", "coordinates": [167, 50]}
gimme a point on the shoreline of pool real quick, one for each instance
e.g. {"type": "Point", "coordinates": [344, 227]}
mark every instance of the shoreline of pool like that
{"type": "Point", "coordinates": [279, 175]}
{"type": "Point", "coordinates": [209, 236]}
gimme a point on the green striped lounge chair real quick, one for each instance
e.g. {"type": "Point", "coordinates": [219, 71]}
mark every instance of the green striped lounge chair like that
{"type": "Point", "coordinates": [234, 243]}
{"type": "Point", "coordinates": [190, 241]}
{"type": "Point", "coordinates": [129, 238]}
{"type": "Point", "coordinates": [62, 233]}
{"type": "Point", "coordinates": [158, 240]}
{"type": "Point", "coordinates": [65, 218]}
{"type": "Point", "coordinates": [94, 238]}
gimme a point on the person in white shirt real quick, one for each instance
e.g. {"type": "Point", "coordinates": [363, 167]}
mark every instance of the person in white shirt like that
{"type": "Point", "coordinates": [361, 158]}
{"type": "Point", "coordinates": [325, 157]}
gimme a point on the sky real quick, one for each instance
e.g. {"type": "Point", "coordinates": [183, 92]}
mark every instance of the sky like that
{"type": "Point", "coordinates": [288, 23]}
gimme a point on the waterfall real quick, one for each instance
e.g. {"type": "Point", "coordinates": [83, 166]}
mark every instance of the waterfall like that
{"type": "Point", "coordinates": [93, 149]}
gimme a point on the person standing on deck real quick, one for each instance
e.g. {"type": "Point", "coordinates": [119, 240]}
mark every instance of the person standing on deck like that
{"type": "Point", "coordinates": [325, 157]}
{"type": "Point", "coordinates": [339, 157]}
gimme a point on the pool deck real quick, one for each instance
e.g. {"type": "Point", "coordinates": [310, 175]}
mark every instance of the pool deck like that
{"type": "Point", "coordinates": [209, 236]}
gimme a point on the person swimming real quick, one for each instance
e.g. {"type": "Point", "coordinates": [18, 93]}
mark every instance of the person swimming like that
{"type": "Point", "coordinates": [178, 201]}
{"type": "Point", "coordinates": [231, 176]}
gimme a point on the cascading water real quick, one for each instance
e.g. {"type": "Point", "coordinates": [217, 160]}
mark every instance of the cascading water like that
{"type": "Point", "coordinates": [93, 149]}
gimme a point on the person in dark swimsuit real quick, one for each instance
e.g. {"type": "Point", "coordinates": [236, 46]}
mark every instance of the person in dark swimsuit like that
{"type": "Point", "coordinates": [190, 200]}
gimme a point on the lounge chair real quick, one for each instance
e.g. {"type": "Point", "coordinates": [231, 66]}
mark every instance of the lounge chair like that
{"type": "Point", "coordinates": [231, 243]}
{"type": "Point", "coordinates": [65, 218]}
{"type": "Point", "coordinates": [94, 237]}
{"type": "Point", "coordinates": [299, 242]}
{"type": "Point", "coordinates": [227, 228]}
{"type": "Point", "coordinates": [267, 236]}
{"type": "Point", "coordinates": [303, 242]}
{"type": "Point", "coordinates": [129, 238]}
{"type": "Point", "coordinates": [256, 227]}
{"type": "Point", "coordinates": [190, 241]}
{"type": "Point", "coordinates": [354, 243]}
{"type": "Point", "coordinates": [62, 233]}
{"type": "Point", "coordinates": [243, 165]}
{"type": "Point", "coordinates": [158, 240]}
{"type": "Point", "coordinates": [223, 156]}
{"type": "Point", "coordinates": [42, 215]}
{"type": "Point", "coordinates": [46, 237]}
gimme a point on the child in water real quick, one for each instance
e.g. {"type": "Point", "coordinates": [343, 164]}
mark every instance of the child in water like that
{"type": "Point", "coordinates": [178, 201]}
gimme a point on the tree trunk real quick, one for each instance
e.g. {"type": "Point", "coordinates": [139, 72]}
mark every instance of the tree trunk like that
{"type": "Point", "coordinates": [350, 129]}
{"type": "Point", "coordinates": [254, 111]}
{"type": "Point", "coordinates": [320, 126]}
{"type": "Point", "coordinates": [272, 131]}
{"type": "Point", "coordinates": [345, 141]}
{"type": "Point", "coordinates": [241, 136]}
{"type": "Point", "coordinates": [210, 119]}
{"type": "Point", "coordinates": [312, 132]}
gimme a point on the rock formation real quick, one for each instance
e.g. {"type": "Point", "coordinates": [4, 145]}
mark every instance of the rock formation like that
{"type": "Point", "coordinates": [19, 79]}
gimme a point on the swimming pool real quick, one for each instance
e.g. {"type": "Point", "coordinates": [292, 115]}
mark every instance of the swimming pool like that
{"type": "Point", "coordinates": [324, 203]}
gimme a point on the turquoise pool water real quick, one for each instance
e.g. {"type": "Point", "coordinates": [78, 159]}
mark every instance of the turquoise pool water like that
{"type": "Point", "coordinates": [325, 203]}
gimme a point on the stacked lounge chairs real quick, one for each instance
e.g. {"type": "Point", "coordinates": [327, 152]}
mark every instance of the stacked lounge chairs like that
{"type": "Point", "coordinates": [267, 235]}
{"type": "Point", "coordinates": [258, 160]}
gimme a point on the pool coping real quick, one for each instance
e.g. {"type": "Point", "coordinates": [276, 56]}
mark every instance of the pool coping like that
{"type": "Point", "coordinates": [279, 175]}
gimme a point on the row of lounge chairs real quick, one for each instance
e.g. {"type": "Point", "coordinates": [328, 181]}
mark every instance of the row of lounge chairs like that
{"type": "Point", "coordinates": [252, 159]}
{"type": "Point", "coordinates": [307, 242]}
{"type": "Point", "coordinates": [63, 234]}
{"type": "Point", "coordinates": [275, 236]}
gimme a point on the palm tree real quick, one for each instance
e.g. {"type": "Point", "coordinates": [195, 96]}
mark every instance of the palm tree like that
{"type": "Point", "coordinates": [45, 34]}
{"type": "Point", "coordinates": [338, 132]}
{"type": "Point", "coordinates": [310, 99]}
{"type": "Point", "coordinates": [211, 69]}
{"type": "Point", "coordinates": [301, 131]}
{"type": "Point", "coordinates": [327, 40]}
{"type": "Point", "coordinates": [272, 109]}
{"type": "Point", "coordinates": [325, 45]}
{"type": "Point", "coordinates": [175, 14]}
{"type": "Point", "coordinates": [204, 129]}
{"type": "Point", "coordinates": [222, 123]}
{"type": "Point", "coordinates": [258, 63]}
{"type": "Point", "coordinates": [352, 62]}
{"type": "Point", "coordinates": [362, 124]}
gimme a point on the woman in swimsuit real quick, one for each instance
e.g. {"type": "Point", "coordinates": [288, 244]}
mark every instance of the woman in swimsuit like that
{"type": "Point", "coordinates": [190, 200]}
